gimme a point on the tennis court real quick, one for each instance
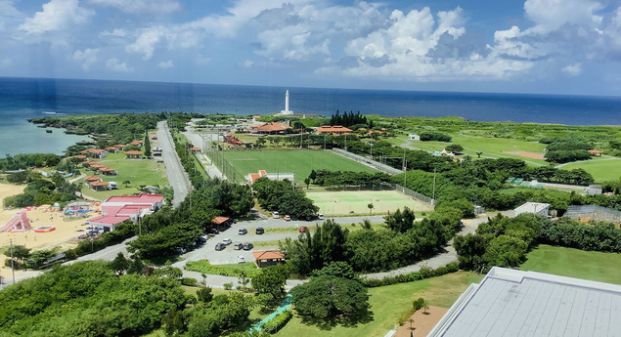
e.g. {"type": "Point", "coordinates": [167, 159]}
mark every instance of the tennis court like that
{"type": "Point", "coordinates": [356, 202]}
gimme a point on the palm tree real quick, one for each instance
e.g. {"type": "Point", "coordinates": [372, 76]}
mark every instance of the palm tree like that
{"type": "Point", "coordinates": [479, 153]}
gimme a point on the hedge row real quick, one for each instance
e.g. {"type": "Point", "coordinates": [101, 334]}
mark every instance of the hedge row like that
{"type": "Point", "coordinates": [278, 322]}
{"type": "Point", "coordinates": [423, 273]}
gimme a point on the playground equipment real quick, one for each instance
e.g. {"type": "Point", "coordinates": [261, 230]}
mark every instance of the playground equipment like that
{"type": "Point", "coordinates": [44, 229]}
{"type": "Point", "coordinates": [19, 223]}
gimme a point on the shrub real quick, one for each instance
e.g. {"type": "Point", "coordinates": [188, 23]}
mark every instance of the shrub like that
{"type": "Point", "coordinates": [228, 286]}
{"type": "Point", "coordinates": [423, 273]}
{"type": "Point", "coordinates": [189, 281]}
{"type": "Point", "coordinates": [278, 322]}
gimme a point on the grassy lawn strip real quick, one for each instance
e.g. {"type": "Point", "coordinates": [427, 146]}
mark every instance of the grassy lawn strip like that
{"type": "Point", "coordinates": [389, 303]}
{"type": "Point", "coordinates": [139, 172]}
{"type": "Point", "coordinates": [235, 270]}
{"type": "Point", "coordinates": [602, 169]}
{"type": "Point", "coordinates": [596, 266]}
{"type": "Point", "coordinates": [270, 243]}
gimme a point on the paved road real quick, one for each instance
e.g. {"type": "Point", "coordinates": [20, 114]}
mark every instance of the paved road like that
{"type": "Point", "coordinates": [275, 229]}
{"type": "Point", "coordinates": [177, 177]}
{"type": "Point", "coordinates": [197, 140]}
{"type": "Point", "coordinates": [448, 256]}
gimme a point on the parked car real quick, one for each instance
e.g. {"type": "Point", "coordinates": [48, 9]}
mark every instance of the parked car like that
{"type": "Point", "coordinates": [227, 241]}
{"type": "Point", "coordinates": [302, 229]}
{"type": "Point", "coordinates": [220, 246]}
{"type": "Point", "coordinates": [275, 215]}
{"type": "Point", "coordinates": [238, 246]}
{"type": "Point", "coordinates": [259, 231]}
{"type": "Point", "coordinates": [287, 218]}
{"type": "Point", "coordinates": [320, 216]}
{"type": "Point", "coordinates": [242, 231]}
{"type": "Point", "coordinates": [248, 246]}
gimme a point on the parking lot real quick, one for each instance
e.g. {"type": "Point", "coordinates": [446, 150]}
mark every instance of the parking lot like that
{"type": "Point", "coordinates": [275, 229]}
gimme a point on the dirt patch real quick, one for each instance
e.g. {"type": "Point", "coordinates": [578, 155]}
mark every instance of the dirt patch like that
{"type": "Point", "coordinates": [422, 322]}
{"type": "Point", "coordinates": [526, 154]}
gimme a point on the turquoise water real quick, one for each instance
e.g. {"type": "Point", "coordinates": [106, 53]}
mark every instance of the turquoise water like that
{"type": "Point", "coordinates": [19, 136]}
{"type": "Point", "coordinates": [284, 306]}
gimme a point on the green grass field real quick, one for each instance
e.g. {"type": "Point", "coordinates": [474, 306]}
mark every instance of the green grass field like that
{"type": "Point", "coordinates": [137, 171]}
{"type": "Point", "coordinates": [203, 266]}
{"type": "Point", "coordinates": [491, 147]}
{"type": "Point", "coordinates": [571, 262]}
{"type": "Point", "coordinates": [356, 202]}
{"type": "Point", "coordinates": [298, 162]}
{"type": "Point", "coordinates": [602, 169]}
{"type": "Point", "coordinates": [389, 303]}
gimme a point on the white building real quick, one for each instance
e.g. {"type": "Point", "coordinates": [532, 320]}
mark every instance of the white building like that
{"type": "Point", "coordinates": [536, 208]}
{"type": "Point", "coordinates": [513, 303]}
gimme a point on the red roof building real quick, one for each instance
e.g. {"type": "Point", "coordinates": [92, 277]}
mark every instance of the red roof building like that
{"type": "Point", "coordinates": [333, 130]}
{"type": "Point", "coordinates": [220, 220]}
{"type": "Point", "coordinates": [268, 257]}
{"type": "Point", "coordinates": [136, 142]}
{"type": "Point", "coordinates": [133, 154]}
{"type": "Point", "coordinates": [107, 223]}
{"type": "Point", "coordinates": [271, 128]}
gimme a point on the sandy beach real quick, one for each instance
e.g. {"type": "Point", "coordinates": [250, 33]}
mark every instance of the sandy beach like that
{"type": "Point", "coordinates": [65, 235]}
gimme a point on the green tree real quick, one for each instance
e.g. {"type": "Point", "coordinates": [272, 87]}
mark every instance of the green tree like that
{"type": "Point", "coordinates": [400, 221]}
{"type": "Point", "coordinates": [505, 251]}
{"type": "Point", "coordinates": [120, 264]}
{"type": "Point", "coordinates": [328, 300]}
{"type": "Point", "coordinates": [271, 281]}
{"type": "Point", "coordinates": [370, 207]}
{"type": "Point", "coordinates": [147, 144]}
{"type": "Point", "coordinates": [204, 295]}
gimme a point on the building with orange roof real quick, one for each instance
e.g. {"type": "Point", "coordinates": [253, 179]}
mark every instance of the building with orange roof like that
{"type": "Point", "coordinates": [333, 130]}
{"type": "Point", "coordinates": [136, 142]}
{"type": "Point", "coordinates": [267, 258]}
{"type": "Point", "coordinates": [595, 152]}
{"type": "Point", "coordinates": [271, 128]}
{"type": "Point", "coordinates": [94, 153]}
{"type": "Point", "coordinates": [107, 171]}
{"type": "Point", "coordinates": [251, 178]}
{"type": "Point", "coordinates": [221, 220]}
{"type": "Point", "coordinates": [98, 185]}
{"type": "Point", "coordinates": [133, 154]}
{"type": "Point", "coordinates": [89, 179]}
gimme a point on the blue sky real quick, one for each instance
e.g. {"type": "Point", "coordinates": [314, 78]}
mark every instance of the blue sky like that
{"type": "Point", "coordinates": [538, 46]}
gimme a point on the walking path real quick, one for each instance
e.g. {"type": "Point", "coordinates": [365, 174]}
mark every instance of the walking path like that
{"type": "Point", "coordinates": [367, 161]}
{"type": "Point", "coordinates": [177, 177]}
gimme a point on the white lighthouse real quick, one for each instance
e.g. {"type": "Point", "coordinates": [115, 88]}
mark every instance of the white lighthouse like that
{"type": "Point", "coordinates": [286, 111]}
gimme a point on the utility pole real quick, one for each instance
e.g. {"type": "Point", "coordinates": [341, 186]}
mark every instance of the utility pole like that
{"type": "Point", "coordinates": [433, 193]}
{"type": "Point", "coordinates": [405, 171]}
{"type": "Point", "coordinates": [12, 260]}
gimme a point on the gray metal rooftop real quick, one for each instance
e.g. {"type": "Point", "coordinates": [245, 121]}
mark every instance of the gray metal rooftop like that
{"type": "Point", "coordinates": [512, 303]}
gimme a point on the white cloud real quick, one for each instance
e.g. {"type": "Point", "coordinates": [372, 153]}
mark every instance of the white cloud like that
{"type": "Point", "coordinates": [550, 15]}
{"type": "Point", "coordinates": [5, 62]}
{"type": "Point", "coordinates": [140, 6]}
{"type": "Point", "coordinates": [8, 13]}
{"type": "Point", "coordinates": [114, 64]}
{"type": "Point", "coordinates": [573, 69]}
{"type": "Point", "coordinates": [191, 34]}
{"type": "Point", "coordinates": [56, 15]}
{"type": "Point", "coordinates": [166, 64]}
{"type": "Point", "coordinates": [247, 63]}
{"type": "Point", "coordinates": [86, 57]}
{"type": "Point", "coordinates": [115, 33]}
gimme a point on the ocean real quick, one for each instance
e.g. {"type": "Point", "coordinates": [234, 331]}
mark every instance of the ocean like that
{"type": "Point", "coordinates": [22, 98]}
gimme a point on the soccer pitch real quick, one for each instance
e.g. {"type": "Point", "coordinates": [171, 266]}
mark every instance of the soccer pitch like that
{"type": "Point", "coordinates": [298, 162]}
{"type": "Point", "coordinates": [356, 202]}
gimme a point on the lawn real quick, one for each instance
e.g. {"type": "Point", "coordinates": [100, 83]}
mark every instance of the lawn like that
{"type": "Point", "coordinates": [602, 169]}
{"type": "Point", "coordinates": [203, 266]}
{"type": "Point", "coordinates": [571, 262]}
{"type": "Point", "coordinates": [489, 146]}
{"type": "Point", "coordinates": [389, 303]}
{"type": "Point", "coordinates": [139, 172]}
{"type": "Point", "coordinates": [298, 162]}
{"type": "Point", "coordinates": [356, 202]}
